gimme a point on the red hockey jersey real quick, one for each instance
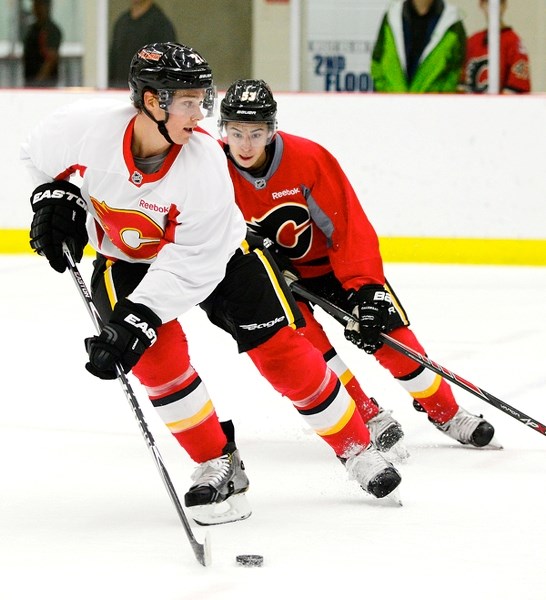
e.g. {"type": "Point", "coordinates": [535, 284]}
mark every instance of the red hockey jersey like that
{"type": "Point", "coordinates": [306, 204]}
{"type": "Point", "coordinates": [514, 63]}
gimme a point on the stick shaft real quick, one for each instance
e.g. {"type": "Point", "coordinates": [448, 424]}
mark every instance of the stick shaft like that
{"type": "Point", "coordinates": [201, 551]}
{"type": "Point", "coordinates": [343, 317]}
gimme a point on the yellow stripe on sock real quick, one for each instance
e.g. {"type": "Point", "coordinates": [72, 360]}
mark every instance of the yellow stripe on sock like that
{"type": "Point", "coordinates": [341, 423]}
{"type": "Point", "coordinates": [345, 377]}
{"type": "Point", "coordinates": [433, 388]}
{"type": "Point", "coordinates": [199, 417]}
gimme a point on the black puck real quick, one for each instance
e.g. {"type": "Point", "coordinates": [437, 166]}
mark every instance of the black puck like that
{"type": "Point", "coordinates": [250, 560]}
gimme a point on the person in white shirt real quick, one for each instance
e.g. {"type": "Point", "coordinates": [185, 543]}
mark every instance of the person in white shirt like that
{"type": "Point", "coordinates": [155, 200]}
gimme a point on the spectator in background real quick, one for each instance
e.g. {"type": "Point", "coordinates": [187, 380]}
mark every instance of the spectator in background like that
{"type": "Point", "coordinates": [144, 23]}
{"type": "Point", "coordinates": [432, 37]}
{"type": "Point", "coordinates": [41, 48]}
{"type": "Point", "coordinates": [514, 61]}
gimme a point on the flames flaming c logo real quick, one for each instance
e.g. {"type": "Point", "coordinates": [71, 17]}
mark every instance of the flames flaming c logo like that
{"type": "Point", "coordinates": [133, 232]}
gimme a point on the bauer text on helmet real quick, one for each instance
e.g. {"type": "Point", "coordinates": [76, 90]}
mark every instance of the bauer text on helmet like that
{"type": "Point", "coordinates": [248, 100]}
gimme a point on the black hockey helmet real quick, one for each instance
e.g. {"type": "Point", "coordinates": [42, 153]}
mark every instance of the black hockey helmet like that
{"type": "Point", "coordinates": [165, 67]}
{"type": "Point", "coordinates": [249, 100]}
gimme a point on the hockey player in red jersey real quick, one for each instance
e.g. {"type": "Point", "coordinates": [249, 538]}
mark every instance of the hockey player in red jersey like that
{"type": "Point", "coordinates": [294, 192]}
{"type": "Point", "coordinates": [514, 76]}
{"type": "Point", "coordinates": [152, 194]}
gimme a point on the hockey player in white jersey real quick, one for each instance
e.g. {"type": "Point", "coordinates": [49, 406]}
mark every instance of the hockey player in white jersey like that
{"type": "Point", "coordinates": [151, 192]}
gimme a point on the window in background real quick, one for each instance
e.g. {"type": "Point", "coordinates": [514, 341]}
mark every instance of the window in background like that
{"type": "Point", "coordinates": [67, 14]}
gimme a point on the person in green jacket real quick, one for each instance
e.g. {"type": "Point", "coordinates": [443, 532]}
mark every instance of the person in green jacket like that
{"type": "Point", "coordinates": [420, 47]}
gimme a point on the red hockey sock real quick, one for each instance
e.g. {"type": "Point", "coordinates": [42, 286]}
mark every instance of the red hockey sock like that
{"type": "Point", "coordinates": [314, 332]}
{"type": "Point", "coordinates": [367, 408]}
{"type": "Point", "coordinates": [354, 433]}
{"type": "Point", "coordinates": [297, 370]}
{"type": "Point", "coordinates": [426, 387]}
{"type": "Point", "coordinates": [205, 441]}
{"type": "Point", "coordinates": [440, 406]}
{"type": "Point", "coordinates": [178, 394]}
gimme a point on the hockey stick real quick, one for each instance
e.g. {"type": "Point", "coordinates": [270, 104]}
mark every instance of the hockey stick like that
{"type": "Point", "coordinates": [343, 317]}
{"type": "Point", "coordinates": [202, 551]}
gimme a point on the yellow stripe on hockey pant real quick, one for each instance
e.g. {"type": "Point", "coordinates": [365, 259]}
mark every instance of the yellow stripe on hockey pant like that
{"type": "Point", "coordinates": [109, 283]}
{"type": "Point", "coordinates": [278, 290]}
{"type": "Point", "coordinates": [189, 423]}
{"type": "Point", "coordinates": [396, 305]}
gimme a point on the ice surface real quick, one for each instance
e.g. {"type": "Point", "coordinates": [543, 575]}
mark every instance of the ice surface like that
{"type": "Point", "coordinates": [84, 514]}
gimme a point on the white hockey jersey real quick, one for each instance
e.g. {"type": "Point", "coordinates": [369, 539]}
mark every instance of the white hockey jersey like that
{"type": "Point", "coordinates": [182, 220]}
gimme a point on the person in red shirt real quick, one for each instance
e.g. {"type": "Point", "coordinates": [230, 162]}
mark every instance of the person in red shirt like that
{"type": "Point", "coordinates": [293, 191]}
{"type": "Point", "coordinates": [514, 62]}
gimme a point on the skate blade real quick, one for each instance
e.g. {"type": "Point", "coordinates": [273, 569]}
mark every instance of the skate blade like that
{"type": "Point", "coordinates": [494, 444]}
{"type": "Point", "coordinates": [393, 499]}
{"type": "Point", "coordinates": [398, 454]}
{"type": "Point", "coordinates": [235, 508]}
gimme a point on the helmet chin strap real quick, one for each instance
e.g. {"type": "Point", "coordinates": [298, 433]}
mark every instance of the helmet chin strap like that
{"type": "Point", "coordinates": [161, 125]}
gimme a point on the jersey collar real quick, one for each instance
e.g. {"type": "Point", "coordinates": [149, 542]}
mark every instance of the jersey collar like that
{"type": "Point", "coordinates": [136, 176]}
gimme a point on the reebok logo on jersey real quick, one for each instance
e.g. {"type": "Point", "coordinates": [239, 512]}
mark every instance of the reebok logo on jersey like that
{"type": "Point", "coordinates": [292, 192]}
{"type": "Point", "coordinates": [254, 326]}
{"type": "Point", "coordinates": [151, 206]}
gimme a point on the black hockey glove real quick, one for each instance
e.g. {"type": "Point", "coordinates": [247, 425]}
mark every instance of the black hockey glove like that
{"type": "Point", "coordinates": [371, 305]}
{"type": "Point", "coordinates": [59, 216]}
{"type": "Point", "coordinates": [129, 332]}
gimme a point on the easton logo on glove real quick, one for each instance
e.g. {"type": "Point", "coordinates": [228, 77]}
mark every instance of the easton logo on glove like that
{"type": "Point", "coordinates": [60, 216]}
{"type": "Point", "coordinates": [130, 331]}
{"type": "Point", "coordinates": [47, 193]}
{"type": "Point", "coordinates": [148, 330]}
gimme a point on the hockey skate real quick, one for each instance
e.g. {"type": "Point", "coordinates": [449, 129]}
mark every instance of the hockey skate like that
{"type": "Point", "coordinates": [386, 435]}
{"type": "Point", "coordinates": [468, 429]}
{"type": "Point", "coordinates": [375, 475]}
{"type": "Point", "coordinates": [218, 494]}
